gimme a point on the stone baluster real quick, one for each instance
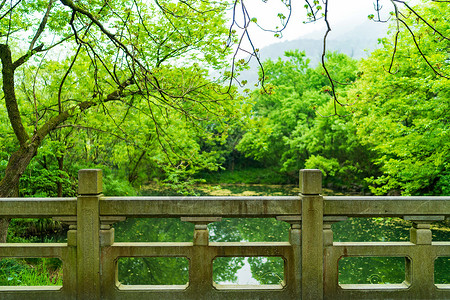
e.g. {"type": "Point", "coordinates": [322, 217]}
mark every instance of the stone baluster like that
{"type": "Point", "coordinates": [294, 271]}
{"type": "Point", "coordinates": [420, 266]}
{"type": "Point", "coordinates": [106, 229]}
{"type": "Point", "coordinates": [327, 231]}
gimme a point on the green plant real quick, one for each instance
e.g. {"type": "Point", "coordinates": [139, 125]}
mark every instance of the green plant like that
{"type": "Point", "coordinates": [30, 272]}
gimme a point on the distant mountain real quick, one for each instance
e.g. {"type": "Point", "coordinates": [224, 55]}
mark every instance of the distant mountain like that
{"type": "Point", "coordinates": [356, 42]}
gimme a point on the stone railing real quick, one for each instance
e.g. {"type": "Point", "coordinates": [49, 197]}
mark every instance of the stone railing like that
{"type": "Point", "coordinates": [311, 258]}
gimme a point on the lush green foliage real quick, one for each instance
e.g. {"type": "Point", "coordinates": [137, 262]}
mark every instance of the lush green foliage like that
{"type": "Point", "coordinates": [403, 115]}
{"type": "Point", "coordinates": [125, 86]}
{"type": "Point", "coordinates": [288, 130]}
{"type": "Point", "coordinates": [391, 133]}
{"type": "Point", "coordinates": [30, 272]}
{"type": "Point", "coordinates": [171, 121]}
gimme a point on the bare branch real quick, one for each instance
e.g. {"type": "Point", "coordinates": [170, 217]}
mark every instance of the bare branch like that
{"type": "Point", "coordinates": [420, 51]}
{"type": "Point", "coordinates": [10, 9]}
{"type": "Point", "coordinates": [42, 24]}
{"type": "Point", "coordinates": [423, 20]}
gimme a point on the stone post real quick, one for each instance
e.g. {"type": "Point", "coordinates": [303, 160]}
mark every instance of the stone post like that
{"type": "Point", "coordinates": [312, 234]}
{"type": "Point", "coordinates": [88, 237]}
{"type": "Point", "coordinates": [200, 269]}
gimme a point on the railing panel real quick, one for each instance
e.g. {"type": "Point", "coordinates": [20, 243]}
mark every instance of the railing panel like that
{"type": "Point", "coordinates": [37, 207]}
{"type": "Point", "coordinates": [113, 290]}
{"type": "Point", "coordinates": [385, 206]}
{"type": "Point", "coordinates": [242, 207]}
{"type": "Point", "coordinates": [414, 287]}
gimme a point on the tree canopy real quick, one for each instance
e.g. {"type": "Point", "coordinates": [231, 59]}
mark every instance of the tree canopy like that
{"type": "Point", "coordinates": [402, 110]}
{"type": "Point", "coordinates": [130, 79]}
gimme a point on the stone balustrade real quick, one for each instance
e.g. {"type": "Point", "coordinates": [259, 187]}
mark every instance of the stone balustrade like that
{"type": "Point", "coordinates": [311, 258]}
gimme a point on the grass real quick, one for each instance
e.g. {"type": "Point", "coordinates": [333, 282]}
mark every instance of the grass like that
{"type": "Point", "coordinates": [30, 272]}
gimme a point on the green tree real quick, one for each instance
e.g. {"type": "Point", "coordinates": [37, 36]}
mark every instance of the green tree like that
{"type": "Point", "coordinates": [277, 114]}
{"type": "Point", "coordinates": [403, 107]}
{"type": "Point", "coordinates": [292, 129]}
{"type": "Point", "coordinates": [67, 64]}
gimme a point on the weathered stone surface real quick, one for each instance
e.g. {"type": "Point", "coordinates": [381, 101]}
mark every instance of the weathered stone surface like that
{"type": "Point", "coordinates": [311, 257]}
{"type": "Point", "coordinates": [310, 181]}
{"type": "Point", "coordinates": [90, 182]}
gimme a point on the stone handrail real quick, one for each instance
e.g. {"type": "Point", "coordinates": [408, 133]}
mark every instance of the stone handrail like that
{"type": "Point", "coordinates": [311, 257]}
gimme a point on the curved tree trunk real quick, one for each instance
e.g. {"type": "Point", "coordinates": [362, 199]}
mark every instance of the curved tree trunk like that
{"type": "Point", "coordinates": [9, 186]}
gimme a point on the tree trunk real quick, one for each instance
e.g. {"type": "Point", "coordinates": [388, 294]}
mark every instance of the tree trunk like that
{"type": "Point", "coordinates": [9, 186]}
{"type": "Point", "coordinates": [60, 168]}
{"type": "Point", "coordinates": [4, 224]}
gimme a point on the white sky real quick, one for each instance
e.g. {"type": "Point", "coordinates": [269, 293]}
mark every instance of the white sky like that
{"type": "Point", "coordinates": [343, 14]}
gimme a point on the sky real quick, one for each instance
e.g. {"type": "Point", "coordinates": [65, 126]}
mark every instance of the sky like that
{"type": "Point", "coordinates": [343, 15]}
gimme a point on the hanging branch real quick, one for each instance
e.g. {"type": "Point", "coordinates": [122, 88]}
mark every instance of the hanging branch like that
{"type": "Point", "coordinates": [399, 19]}
{"type": "Point", "coordinates": [421, 52]}
{"type": "Point", "coordinates": [394, 51]}
{"type": "Point", "coordinates": [313, 8]}
{"type": "Point", "coordinates": [333, 92]}
{"type": "Point", "coordinates": [245, 36]}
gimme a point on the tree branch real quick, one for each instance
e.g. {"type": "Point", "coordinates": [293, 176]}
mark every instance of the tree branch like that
{"type": "Point", "coordinates": [10, 95]}
{"type": "Point", "coordinates": [333, 91]}
{"type": "Point", "coordinates": [24, 58]}
{"type": "Point", "coordinates": [64, 78]}
{"type": "Point", "coordinates": [54, 122]}
{"type": "Point", "coordinates": [10, 9]}
{"type": "Point", "coordinates": [42, 24]}
{"type": "Point", "coordinates": [423, 20]}
{"type": "Point", "coordinates": [420, 51]}
{"type": "Point", "coordinates": [97, 129]}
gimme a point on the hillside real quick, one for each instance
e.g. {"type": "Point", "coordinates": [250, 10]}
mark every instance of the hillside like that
{"type": "Point", "coordinates": [356, 42]}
